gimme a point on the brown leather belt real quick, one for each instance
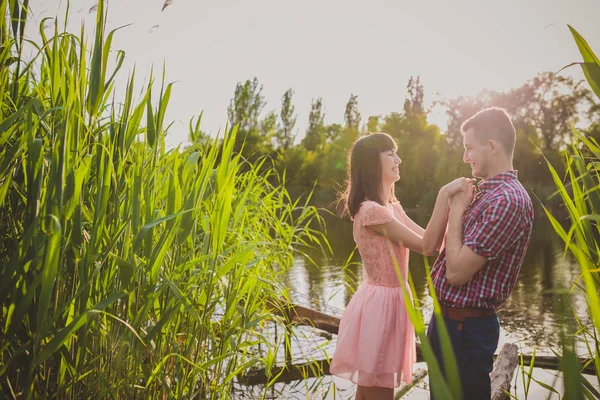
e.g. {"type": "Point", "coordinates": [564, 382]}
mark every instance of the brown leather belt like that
{"type": "Point", "coordinates": [460, 314]}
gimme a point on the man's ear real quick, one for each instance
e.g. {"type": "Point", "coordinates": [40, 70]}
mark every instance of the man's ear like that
{"type": "Point", "coordinates": [494, 145]}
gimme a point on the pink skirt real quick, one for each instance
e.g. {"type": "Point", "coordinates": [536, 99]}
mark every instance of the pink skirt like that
{"type": "Point", "coordinates": [376, 340]}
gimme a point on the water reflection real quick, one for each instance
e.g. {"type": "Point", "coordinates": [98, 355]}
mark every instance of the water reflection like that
{"type": "Point", "coordinates": [529, 318]}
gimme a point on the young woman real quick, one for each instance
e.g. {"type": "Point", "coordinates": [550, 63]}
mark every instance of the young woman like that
{"type": "Point", "coordinates": [376, 341]}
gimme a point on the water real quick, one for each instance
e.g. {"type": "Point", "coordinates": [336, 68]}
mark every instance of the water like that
{"type": "Point", "coordinates": [529, 318]}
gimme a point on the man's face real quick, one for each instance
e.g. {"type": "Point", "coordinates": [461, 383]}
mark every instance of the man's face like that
{"type": "Point", "coordinates": [476, 154]}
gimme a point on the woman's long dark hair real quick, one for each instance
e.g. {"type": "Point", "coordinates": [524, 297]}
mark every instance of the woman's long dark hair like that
{"type": "Point", "coordinates": [363, 179]}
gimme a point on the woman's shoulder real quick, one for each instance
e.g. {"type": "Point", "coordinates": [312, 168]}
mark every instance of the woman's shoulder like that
{"type": "Point", "coordinates": [373, 213]}
{"type": "Point", "coordinates": [369, 205]}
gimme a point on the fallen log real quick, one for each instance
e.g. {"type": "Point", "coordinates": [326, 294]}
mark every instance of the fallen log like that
{"type": "Point", "coordinates": [286, 373]}
{"type": "Point", "coordinates": [504, 369]}
{"type": "Point", "coordinates": [295, 372]}
{"type": "Point", "coordinates": [300, 315]}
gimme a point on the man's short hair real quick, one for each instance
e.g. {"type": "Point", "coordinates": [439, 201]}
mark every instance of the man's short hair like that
{"type": "Point", "coordinates": [493, 124]}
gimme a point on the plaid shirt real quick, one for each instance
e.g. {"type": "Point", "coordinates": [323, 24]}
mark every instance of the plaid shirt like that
{"type": "Point", "coordinates": [497, 225]}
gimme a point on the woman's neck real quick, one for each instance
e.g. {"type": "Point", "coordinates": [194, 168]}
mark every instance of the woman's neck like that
{"type": "Point", "coordinates": [386, 193]}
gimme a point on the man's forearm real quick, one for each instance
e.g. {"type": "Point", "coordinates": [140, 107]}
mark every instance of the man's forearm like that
{"type": "Point", "coordinates": [454, 239]}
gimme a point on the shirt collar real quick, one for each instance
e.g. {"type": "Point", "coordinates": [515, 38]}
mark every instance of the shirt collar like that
{"type": "Point", "coordinates": [491, 183]}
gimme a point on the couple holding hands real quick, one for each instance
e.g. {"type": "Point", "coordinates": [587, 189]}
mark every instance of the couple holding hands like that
{"type": "Point", "coordinates": [483, 231]}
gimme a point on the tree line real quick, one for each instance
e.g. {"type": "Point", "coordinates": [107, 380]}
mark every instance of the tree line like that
{"type": "Point", "coordinates": [544, 109]}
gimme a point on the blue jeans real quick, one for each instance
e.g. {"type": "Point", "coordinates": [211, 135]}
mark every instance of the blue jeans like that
{"type": "Point", "coordinates": [474, 344]}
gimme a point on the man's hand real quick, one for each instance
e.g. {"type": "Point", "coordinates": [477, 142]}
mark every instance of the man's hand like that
{"type": "Point", "coordinates": [458, 185]}
{"type": "Point", "coordinates": [462, 198]}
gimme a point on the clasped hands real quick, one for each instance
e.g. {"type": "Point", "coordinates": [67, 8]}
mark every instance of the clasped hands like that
{"type": "Point", "coordinates": [461, 192]}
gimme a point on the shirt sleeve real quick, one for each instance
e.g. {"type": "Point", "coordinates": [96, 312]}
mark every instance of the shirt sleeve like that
{"type": "Point", "coordinates": [399, 208]}
{"type": "Point", "coordinates": [376, 214]}
{"type": "Point", "coordinates": [495, 230]}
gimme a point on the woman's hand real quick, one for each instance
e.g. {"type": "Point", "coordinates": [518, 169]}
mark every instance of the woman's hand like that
{"type": "Point", "coordinates": [462, 198]}
{"type": "Point", "coordinates": [457, 185]}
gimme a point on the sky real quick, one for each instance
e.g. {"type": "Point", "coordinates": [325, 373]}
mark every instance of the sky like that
{"type": "Point", "coordinates": [332, 49]}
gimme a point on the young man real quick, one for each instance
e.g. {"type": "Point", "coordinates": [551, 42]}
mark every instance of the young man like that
{"type": "Point", "coordinates": [487, 238]}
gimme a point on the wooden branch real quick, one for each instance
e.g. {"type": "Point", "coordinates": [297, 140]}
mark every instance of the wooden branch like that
{"type": "Point", "coordinates": [417, 377]}
{"type": "Point", "coordinates": [289, 373]}
{"type": "Point", "coordinates": [504, 369]}
{"type": "Point", "coordinates": [306, 316]}
{"type": "Point", "coordinates": [553, 363]}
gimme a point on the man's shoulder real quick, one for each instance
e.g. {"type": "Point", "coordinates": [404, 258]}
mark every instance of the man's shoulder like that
{"type": "Point", "coordinates": [513, 194]}
{"type": "Point", "coordinates": [512, 199]}
{"type": "Point", "coordinates": [509, 201]}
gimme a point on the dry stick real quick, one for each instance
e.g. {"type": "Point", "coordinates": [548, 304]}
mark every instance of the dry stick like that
{"type": "Point", "coordinates": [417, 377]}
{"type": "Point", "coordinates": [504, 369]}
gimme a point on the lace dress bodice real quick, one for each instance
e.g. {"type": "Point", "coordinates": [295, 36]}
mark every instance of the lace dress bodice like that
{"type": "Point", "coordinates": [375, 250]}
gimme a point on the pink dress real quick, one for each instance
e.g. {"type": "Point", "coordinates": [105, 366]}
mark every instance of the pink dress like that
{"type": "Point", "coordinates": [376, 339]}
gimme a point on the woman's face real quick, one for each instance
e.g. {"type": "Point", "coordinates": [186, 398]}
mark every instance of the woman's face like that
{"type": "Point", "coordinates": [389, 166]}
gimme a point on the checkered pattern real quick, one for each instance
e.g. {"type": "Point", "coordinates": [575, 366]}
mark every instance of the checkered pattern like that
{"type": "Point", "coordinates": [497, 226]}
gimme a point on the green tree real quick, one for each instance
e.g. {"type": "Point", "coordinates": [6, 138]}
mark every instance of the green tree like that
{"type": "Point", "coordinates": [548, 103]}
{"type": "Point", "coordinates": [414, 102]}
{"type": "Point", "coordinates": [268, 127]}
{"type": "Point", "coordinates": [352, 115]}
{"type": "Point", "coordinates": [373, 123]}
{"type": "Point", "coordinates": [418, 148]}
{"type": "Point", "coordinates": [543, 110]}
{"type": "Point", "coordinates": [315, 134]}
{"type": "Point", "coordinates": [244, 109]}
{"type": "Point", "coordinates": [285, 133]}
{"type": "Point", "coordinates": [333, 132]}
{"type": "Point", "coordinates": [555, 103]}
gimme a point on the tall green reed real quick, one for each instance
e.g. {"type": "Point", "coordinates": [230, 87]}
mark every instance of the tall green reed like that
{"type": "Point", "coordinates": [580, 192]}
{"type": "Point", "coordinates": [446, 376]}
{"type": "Point", "coordinates": [129, 271]}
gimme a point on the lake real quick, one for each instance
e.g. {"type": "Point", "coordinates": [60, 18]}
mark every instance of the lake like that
{"type": "Point", "coordinates": [529, 319]}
